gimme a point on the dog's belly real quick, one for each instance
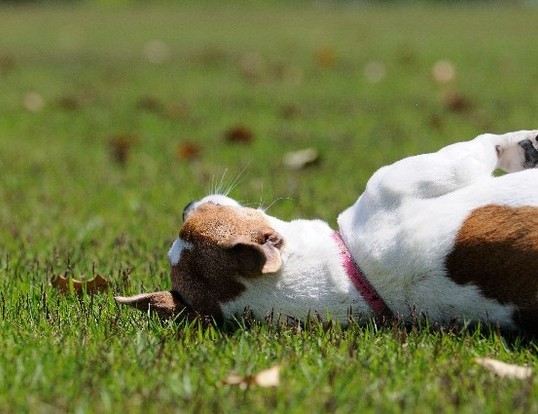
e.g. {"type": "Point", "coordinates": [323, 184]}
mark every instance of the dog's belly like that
{"type": "Point", "coordinates": [404, 250]}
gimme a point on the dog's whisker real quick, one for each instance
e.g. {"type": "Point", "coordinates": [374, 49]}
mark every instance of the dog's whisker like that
{"type": "Point", "coordinates": [275, 201]}
{"type": "Point", "coordinates": [220, 187]}
{"type": "Point", "coordinates": [236, 181]}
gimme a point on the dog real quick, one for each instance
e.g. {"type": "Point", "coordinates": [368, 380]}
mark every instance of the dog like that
{"type": "Point", "coordinates": [435, 234]}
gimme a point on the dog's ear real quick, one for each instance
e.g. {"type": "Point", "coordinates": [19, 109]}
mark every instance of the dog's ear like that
{"type": "Point", "coordinates": [165, 304]}
{"type": "Point", "coordinates": [259, 257]}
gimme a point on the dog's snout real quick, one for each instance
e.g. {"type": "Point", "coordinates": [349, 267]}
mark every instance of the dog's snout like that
{"type": "Point", "coordinates": [186, 210]}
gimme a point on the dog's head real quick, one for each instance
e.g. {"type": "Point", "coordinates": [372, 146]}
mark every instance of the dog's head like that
{"type": "Point", "coordinates": [220, 243]}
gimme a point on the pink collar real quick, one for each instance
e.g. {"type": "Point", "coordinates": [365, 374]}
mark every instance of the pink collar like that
{"type": "Point", "coordinates": [368, 292]}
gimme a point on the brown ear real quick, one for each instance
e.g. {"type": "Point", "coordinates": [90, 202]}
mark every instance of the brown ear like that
{"type": "Point", "coordinates": [165, 304]}
{"type": "Point", "coordinates": [261, 257]}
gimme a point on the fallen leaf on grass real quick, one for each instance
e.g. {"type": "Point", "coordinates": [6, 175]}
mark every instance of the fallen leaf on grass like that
{"type": "Point", "coordinates": [289, 111]}
{"type": "Point", "coordinates": [120, 147]}
{"type": "Point", "coordinates": [177, 110]}
{"type": "Point", "coordinates": [456, 102]}
{"type": "Point", "coordinates": [240, 134]}
{"type": "Point", "coordinates": [252, 67]}
{"type": "Point", "coordinates": [150, 104]}
{"type": "Point", "coordinates": [267, 378]}
{"type": "Point", "coordinates": [68, 102]}
{"type": "Point", "coordinates": [188, 151]}
{"type": "Point", "coordinates": [7, 63]}
{"type": "Point", "coordinates": [325, 57]}
{"type": "Point", "coordinates": [504, 370]}
{"type": "Point", "coordinates": [65, 285]}
{"type": "Point", "coordinates": [298, 160]}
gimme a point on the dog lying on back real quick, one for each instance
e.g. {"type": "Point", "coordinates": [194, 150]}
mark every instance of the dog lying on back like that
{"type": "Point", "coordinates": [435, 234]}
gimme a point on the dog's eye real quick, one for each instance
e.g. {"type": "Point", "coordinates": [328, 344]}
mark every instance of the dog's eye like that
{"type": "Point", "coordinates": [536, 138]}
{"type": "Point", "coordinates": [186, 210]}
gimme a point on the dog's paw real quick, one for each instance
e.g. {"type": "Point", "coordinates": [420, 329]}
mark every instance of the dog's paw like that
{"type": "Point", "coordinates": [518, 152]}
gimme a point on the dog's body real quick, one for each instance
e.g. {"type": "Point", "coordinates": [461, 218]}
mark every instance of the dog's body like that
{"type": "Point", "coordinates": [434, 234]}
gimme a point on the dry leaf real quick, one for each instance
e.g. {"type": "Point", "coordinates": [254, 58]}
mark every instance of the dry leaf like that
{"type": "Point", "coordinates": [177, 110]}
{"type": "Point", "coordinates": [325, 57]}
{"type": "Point", "coordinates": [298, 160]}
{"type": "Point", "coordinates": [7, 63]}
{"type": "Point", "coordinates": [239, 133]}
{"type": "Point", "coordinates": [65, 285]}
{"type": "Point", "coordinates": [265, 379]}
{"type": "Point", "coordinates": [503, 369]}
{"type": "Point", "coordinates": [120, 147]}
{"type": "Point", "coordinates": [150, 104]}
{"type": "Point", "coordinates": [289, 111]}
{"type": "Point", "coordinates": [252, 66]}
{"type": "Point", "coordinates": [188, 151]}
{"type": "Point", "coordinates": [68, 102]}
{"type": "Point", "coordinates": [456, 102]}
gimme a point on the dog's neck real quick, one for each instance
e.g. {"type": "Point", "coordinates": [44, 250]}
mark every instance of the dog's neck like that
{"type": "Point", "coordinates": [312, 277]}
{"type": "Point", "coordinates": [360, 281]}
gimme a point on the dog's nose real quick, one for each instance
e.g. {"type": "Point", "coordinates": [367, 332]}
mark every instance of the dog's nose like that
{"type": "Point", "coordinates": [186, 210]}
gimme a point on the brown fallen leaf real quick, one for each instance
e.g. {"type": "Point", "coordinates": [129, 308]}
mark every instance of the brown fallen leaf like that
{"type": "Point", "coordinates": [7, 63]}
{"type": "Point", "coordinates": [267, 378]}
{"type": "Point", "coordinates": [188, 151]}
{"type": "Point", "coordinates": [504, 370]}
{"type": "Point", "coordinates": [456, 102]}
{"type": "Point", "coordinates": [252, 67]}
{"type": "Point", "coordinates": [68, 102]}
{"type": "Point", "coordinates": [150, 104]}
{"type": "Point", "coordinates": [120, 147]}
{"type": "Point", "coordinates": [325, 57]}
{"type": "Point", "coordinates": [239, 134]}
{"type": "Point", "coordinates": [177, 110]}
{"type": "Point", "coordinates": [290, 111]}
{"type": "Point", "coordinates": [66, 285]}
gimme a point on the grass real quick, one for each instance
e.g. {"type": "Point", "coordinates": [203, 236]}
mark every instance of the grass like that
{"type": "Point", "coordinates": [77, 84]}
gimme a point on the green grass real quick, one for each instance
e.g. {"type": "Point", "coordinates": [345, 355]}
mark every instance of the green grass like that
{"type": "Point", "coordinates": [66, 205]}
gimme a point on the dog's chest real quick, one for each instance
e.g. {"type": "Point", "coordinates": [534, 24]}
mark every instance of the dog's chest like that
{"type": "Point", "coordinates": [404, 254]}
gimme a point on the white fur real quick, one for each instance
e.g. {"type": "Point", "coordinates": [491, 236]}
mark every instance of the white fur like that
{"type": "Point", "coordinates": [174, 254]}
{"type": "Point", "coordinates": [399, 231]}
{"type": "Point", "coordinates": [311, 278]}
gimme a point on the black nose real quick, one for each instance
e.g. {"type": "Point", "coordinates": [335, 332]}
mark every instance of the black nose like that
{"type": "Point", "coordinates": [186, 210]}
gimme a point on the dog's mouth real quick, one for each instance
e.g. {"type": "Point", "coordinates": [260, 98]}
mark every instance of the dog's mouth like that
{"type": "Point", "coordinates": [167, 304]}
{"type": "Point", "coordinates": [187, 309]}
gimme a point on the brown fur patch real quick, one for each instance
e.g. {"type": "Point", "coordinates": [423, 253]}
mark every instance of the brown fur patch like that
{"type": "Point", "coordinates": [496, 249]}
{"type": "Point", "coordinates": [225, 242]}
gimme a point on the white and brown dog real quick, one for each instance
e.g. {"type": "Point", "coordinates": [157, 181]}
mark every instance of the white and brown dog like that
{"type": "Point", "coordinates": [434, 233]}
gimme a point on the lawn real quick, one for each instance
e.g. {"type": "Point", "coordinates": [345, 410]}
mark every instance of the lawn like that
{"type": "Point", "coordinates": [113, 118]}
